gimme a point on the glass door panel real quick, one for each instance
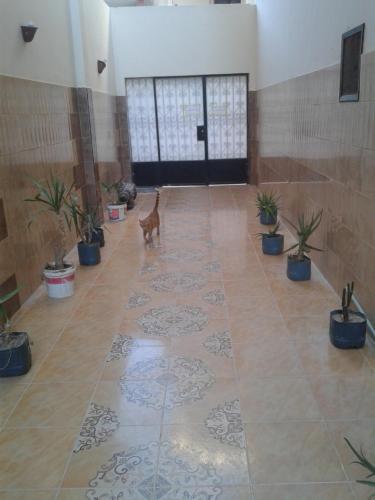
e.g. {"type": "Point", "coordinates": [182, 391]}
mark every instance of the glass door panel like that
{"type": "Point", "coordinates": [226, 117]}
{"type": "Point", "coordinates": [180, 112]}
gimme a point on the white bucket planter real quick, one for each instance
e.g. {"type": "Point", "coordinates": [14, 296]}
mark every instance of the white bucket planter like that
{"type": "Point", "coordinates": [116, 212]}
{"type": "Point", "coordinates": [59, 283]}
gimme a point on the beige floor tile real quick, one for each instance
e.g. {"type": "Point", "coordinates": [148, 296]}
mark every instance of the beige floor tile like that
{"type": "Point", "coordinates": [361, 433]}
{"type": "Point", "coordinates": [277, 399]}
{"type": "Point", "coordinates": [313, 304]}
{"type": "Point", "coordinates": [304, 492]}
{"type": "Point", "coordinates": [63, 365]}
{"type": "Point", "coordinates": [292, 452]}
{"type": "Point", "coordinates": [28, 495]}
{"type": "Point", "coordinates": [253, 306]}
{"type": "Point", "coordinates": [52, 405]}
{"type": "Point", "coordinates": [34, 458]}
{"type": "Point", "coordinates": [10, 393]}
{"type": "Point", "coordinates": [345, 397]}
{"type": "Point", "coordinates": [256, 285]}
{"type": "Point", "coordinates": [260, 358]}
{"type": "Point", "coordinates": [308, 328]}
{"type": "Point", "coordinates": [322, 358]}
{"type": "Point", "coordinates": [88, 334]}
{"type": "Point", "coordinates": [243, 329]}
{"type": "Point", "coordinates": [105, 466]}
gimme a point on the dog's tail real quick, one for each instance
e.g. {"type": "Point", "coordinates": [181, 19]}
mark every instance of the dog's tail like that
{"type": "Point", "coordinates": [157, 200]}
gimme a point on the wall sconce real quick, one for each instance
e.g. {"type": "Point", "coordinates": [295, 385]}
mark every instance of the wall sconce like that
{"type": "Point", "coordinates": [28, 32]}
{"type": "Point", "coordinates": [101, 66]}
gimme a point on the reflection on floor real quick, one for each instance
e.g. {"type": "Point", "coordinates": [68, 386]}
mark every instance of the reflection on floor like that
{"type": "Point", "coordinates": [192, 369]}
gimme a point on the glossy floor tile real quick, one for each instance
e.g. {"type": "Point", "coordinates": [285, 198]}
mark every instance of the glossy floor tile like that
{"type": "Point", "coordinates": [190, 368]}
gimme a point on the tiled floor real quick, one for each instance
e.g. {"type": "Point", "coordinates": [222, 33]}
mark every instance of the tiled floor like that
{"type": "Point", "coordinates": [192, 369]}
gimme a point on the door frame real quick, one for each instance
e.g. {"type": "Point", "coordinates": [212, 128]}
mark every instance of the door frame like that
{"type": "Point", "coordinates": [155, 173]}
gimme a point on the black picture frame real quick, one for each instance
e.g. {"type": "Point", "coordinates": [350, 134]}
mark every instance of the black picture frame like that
{"type": "Point", "coordinates": [350, 69]}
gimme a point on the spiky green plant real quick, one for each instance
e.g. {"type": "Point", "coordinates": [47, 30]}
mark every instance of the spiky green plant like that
{"type": "Point", "coordinates": [304, 230]}
{"type": "Point", "coordinates": [4, 319]}
{"type": "Point", "coordinates": [111, 191]}
{"type": "Point", "coordinates": [83, 220]}
{"type": "Point", "coordinates": [363, 461]}
{"type": "Point", "coordinates": [52, 195]}
{"type": "Point", "coordinates": [346, 300]}
{"type": "Point", "coordinates": [267, 202]}
{"type": "Point", "coordinates": [271, 232]}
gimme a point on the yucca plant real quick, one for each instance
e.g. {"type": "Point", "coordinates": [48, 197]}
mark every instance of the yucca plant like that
{"type": "Point", "coordinates": [346, 300]}
{"type": "Point", "coordinates": [271, 232]}
{"type": "Point", "coordinates": [363, 461]}
{"type": "Point", "coordinates": [52, 195]}
{"type": "Point", "coordinates": [83, 220]}
{"type": "Point", "coordinates": [267, 203]}
{"type": "Point", "coordinates": [304, 231]}
{"type": "Point", "coordinates": [4, 319]}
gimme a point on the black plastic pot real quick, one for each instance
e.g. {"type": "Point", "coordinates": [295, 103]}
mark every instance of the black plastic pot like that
{"type": "Point", "coordinates": [98, 236]}
{"type": "Point", "coordinates": [349, 334]}
{"type": "Point", "coordinates": [298, 270]}
{"type": "Point", "coordinates": [89, 253]}
{"type": "Point", "coordinates": [15, 354]}
{"type": "Point", "coordinates": [267, 219]}
{"type": "Point", "coordinates": [272, 244]}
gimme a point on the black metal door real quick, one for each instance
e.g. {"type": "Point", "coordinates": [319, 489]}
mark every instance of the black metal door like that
{"type": "Point", "coordinates": [188, 130]}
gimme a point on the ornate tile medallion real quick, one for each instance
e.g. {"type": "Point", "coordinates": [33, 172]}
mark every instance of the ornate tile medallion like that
{"type": "Point", "coordinates": [134, 470]}
{"type": "Point", "coordinates": [178, 282]}
{"type": "Point", "coordinates": [173, 321]}
{"type": "Point", "coordinates": [225, 424]}
{"type": "Point", "coordinates": [212, 267]}
{"type": "Point", "coordinates": [214, 297]}
{"type": "Point", "coordinates": [138, 300]}
{"type": "Point", "coordinates": [186, 380]}
{"type": "Point", "coordinates": [122, 345]}
{"type": "Point", "coordinates": [183, 255]}
{"type": "Point", "coordinates": [219, 344]}
{"type": "Point", "coordinates": [98, 426]}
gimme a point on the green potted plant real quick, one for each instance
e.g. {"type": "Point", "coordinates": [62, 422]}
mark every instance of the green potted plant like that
{"type": "Point", "coordinates": [116, 208]}
{"type": "Point", "coordinates": [15, 353]}
{"type": "Point", "coordinates": [347, 329]}
{"type": "Point", "coordinates": [84, 224]}
{"type": "Point", "coordinates": [299, 264]}
{"type": "Point", "coordinates": [272, 241]}
{"type": "Point", "coordinates": [267, 204]}
{"type": "Point", "coordinates": [58, 275]}
{"type": "Point", "coordinates": [364, 462]}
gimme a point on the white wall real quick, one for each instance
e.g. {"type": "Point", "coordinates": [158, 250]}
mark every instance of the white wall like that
{"type": "Point", "coordinates": [173, 41]}
{"type": "Point", "coordinates": [49, 58]}
{"type": "Point", "coordinates": [97, 44]}
{"type": "Point", "coordinates": [296, 37]}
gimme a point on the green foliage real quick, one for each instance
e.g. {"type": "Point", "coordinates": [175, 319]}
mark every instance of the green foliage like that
{"type": "Point", "coordinates": [271, 232]}
{"type": "Point", "coordinates": [304, 230]}
{"type": "Point", "coordinates": [52, 196]}
{"type": "Point", "coordinates": [111, 191]}
{"type": "Point", "coordinates": [268, 203]}
{"type": "Point", "coordinates": [4, 320]}
{"type": "Point", "coordinates": [83, 220]}
{"type": "Point", "coordinates": [366, 464]}
{"type": "Point", "coordinates": [347, 295]}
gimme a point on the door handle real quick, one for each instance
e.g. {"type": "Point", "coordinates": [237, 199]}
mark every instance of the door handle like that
{"type": "Point", "coordinates": [201, 133]}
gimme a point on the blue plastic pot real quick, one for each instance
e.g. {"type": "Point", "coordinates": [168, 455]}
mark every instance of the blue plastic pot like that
{"type": "Point", "coordinates": [15, 360]}
{"type": "Point", "coordinates": [89, 253]}
{"type": "Point", "coordinates": [349, 335]}
{"type": "Point", "coordinates": [268, 219]}
{"type": "Point", "coordinates": [98, 237]}
{"type": "Point", "coordinates": [298, 270]}
{"type": "Point", "coordinates": [272, 244]}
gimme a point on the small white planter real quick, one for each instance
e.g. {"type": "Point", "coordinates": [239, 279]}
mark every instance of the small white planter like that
{"type": "Point", "coordinates": [116, 212]}
{"type": "Point", "coordinates": [59, 283]}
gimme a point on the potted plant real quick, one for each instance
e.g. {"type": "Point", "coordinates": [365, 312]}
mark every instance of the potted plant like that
{"type": "Point", "coordinates": [58, 275]}
{"type": "Point", "coordinates": [272, 242]}
{"type": "Point", "coordinates": [15, 353]}
{"type": "Point", "coordinates": [267, 205]}
{"type": "Point", "coordinates": [363, 461]}
{"type": "Point", "coordinates": [84, 223]}
{"type": "Point", "coordinates": [347, 329]}
{"type": "Point", "coordinates": [98, 233]}
{"type": "Point", "coordinates": [116, 208]}
{"type": "Point", "coordinates": [299, 264]}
